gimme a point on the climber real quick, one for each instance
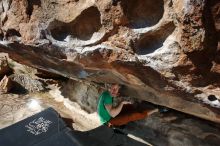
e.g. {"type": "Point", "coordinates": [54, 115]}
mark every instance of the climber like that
{"type": "Point", "coordinates": [113, 116]}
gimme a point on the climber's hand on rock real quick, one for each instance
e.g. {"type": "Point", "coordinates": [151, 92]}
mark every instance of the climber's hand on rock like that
{"type": "Point", "coordinates": [153, 111]}
{"type": "Point", "coordinates": [126, 102]}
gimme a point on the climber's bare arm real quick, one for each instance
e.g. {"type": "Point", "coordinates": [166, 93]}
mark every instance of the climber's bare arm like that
{"type": "Point", "coordinates": [152, 112]}
{"type": "Point", "coordinates": [114, 111]}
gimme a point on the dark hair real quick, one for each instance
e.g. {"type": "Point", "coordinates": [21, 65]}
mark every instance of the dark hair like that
{"type": "Point", "coordinates": [122, 87]}
{"type": "Point", "coordinates": [212, 97]}
{"type": "Point", "coordinates": [114, 84]}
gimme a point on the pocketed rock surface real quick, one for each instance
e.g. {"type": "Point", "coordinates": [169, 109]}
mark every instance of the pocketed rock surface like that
{"type": "Point", "coordinates": [165, 51]}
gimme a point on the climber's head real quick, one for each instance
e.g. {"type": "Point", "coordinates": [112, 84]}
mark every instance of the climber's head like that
{"type": "Point", "coordinates": [114, 90]}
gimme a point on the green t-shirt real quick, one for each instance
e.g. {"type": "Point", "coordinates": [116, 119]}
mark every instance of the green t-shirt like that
{"type": "Point", "coordinates": [104, 99]}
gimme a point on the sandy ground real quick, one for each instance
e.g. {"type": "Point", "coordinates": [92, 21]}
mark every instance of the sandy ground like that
{"type": "Point", "coordinates": [14, 108]}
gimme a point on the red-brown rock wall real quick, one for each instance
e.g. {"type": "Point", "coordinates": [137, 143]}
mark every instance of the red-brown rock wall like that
{"type": "Point", "coordinates": [165, 52]}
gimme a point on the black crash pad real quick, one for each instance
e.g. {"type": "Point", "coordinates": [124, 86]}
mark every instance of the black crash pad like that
{"type": "Point", "coordinates": [33, 129]}
{"type": "Point", "coordinates": [47, 128]}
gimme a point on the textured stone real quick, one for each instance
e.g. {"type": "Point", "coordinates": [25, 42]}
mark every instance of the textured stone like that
{"type": "Point", "coordinates": [165, 52]}
{"type": "Point", "coordinates": [23, 83]}
{"type": "Point", "coordinates": [5, 85]}
{"type": "Point", "coordinates": [4, 66]}
{"type": "Point", "coordinates": [48, 75]}
{"type": "Point", "coordinates": [172, 129]}
{"type": "Point", "coordinates": [85, 95]}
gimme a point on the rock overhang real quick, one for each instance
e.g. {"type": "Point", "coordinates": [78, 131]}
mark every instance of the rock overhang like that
{"type": "Point", "coordinates": [159, 57]}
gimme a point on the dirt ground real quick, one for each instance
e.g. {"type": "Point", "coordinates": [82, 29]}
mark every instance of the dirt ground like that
{"type": "Point", "coordinates": [14, 108]}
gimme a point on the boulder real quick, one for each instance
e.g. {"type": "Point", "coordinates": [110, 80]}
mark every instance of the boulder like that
{"type": "Point", "coordinates": [85, 95]}
{"type": "Point", "coordinates": [5, 69]}
{"type": "Point", "coordinates": [5, 85]}
{"type": "Point", "coordinates": [164, 51]}
{"type": "Point", "coordinates": [24, 83]}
